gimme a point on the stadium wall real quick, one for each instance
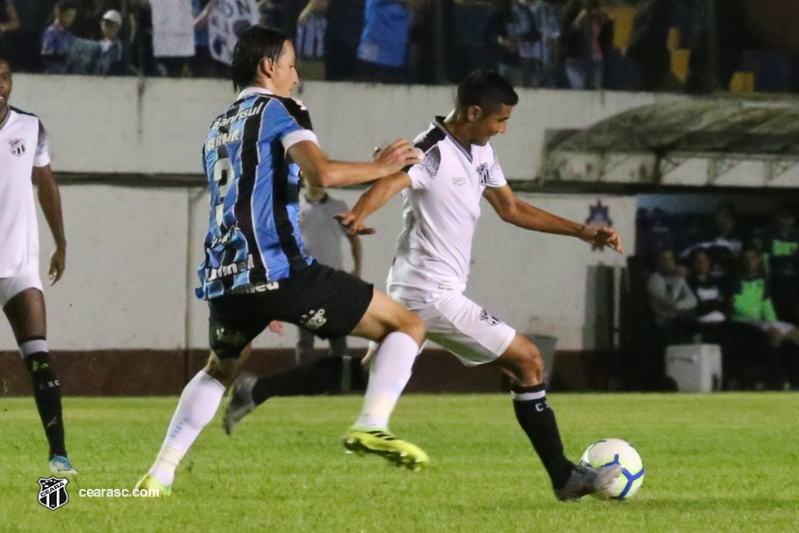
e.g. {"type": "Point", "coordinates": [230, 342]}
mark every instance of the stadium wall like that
{"type": "Point", "coordinates": [125, 310]}
{"type": "Point", "coordinates": [157, 126]}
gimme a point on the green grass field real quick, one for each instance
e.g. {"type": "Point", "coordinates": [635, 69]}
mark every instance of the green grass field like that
{"type": "Point", "coordinates": [721, 462]}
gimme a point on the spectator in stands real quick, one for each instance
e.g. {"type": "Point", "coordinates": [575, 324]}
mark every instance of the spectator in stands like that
{"type": "Point", "coordinates": [647, 47]}
{"type": "Point", "coordinates": [656, 228]}
{"type": "Point", "coordinates": [781, 254]}
{"type": "Point", "coordinates": [271, 13]}
{"type": "Point", "coordinates": [57, 40]}
{"type": "Point", "coordinates": [723, 241]}
{"type": "Point", "coordinates": [383, 51]}
{"type": "Point", "coordinates": [310, 39]}
{"type": "Point", "coordinates": [203, 64]}
{"type": "Point", "coordinates": [711, 306]}
{"type": "Point", "coordinates": [749, 298]}
{"type": "Point", "coordinates": [670, 297]}
{"type": "Point", "coordinates": [587, 40]}
{"type": "Point", "coordinates": [342, 36]}
{"type": "Point", "coordinates": [501, 37]}
{"type": "Point", "coordinates": [109, 61]}
{"type": "Point", "coordinates": [9, 20]}
{"type": "Point", "coordinates": [141, 38]}
{"type": "Point", "coordinates": [539, 42]}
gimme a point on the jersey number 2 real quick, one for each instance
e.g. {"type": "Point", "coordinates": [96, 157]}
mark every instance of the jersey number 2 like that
{"type": "Point", "coordinates": [222, 172]}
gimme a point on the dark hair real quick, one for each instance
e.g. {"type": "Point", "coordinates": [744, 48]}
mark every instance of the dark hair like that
{"type": "Point", "coordinates": [486, 89]}
{"type": "Point", "coordinates": [66, 5]}
{"type": "Point", "coordinates": [255, 43]}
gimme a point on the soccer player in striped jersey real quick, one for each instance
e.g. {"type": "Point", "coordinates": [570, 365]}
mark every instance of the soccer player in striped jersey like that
{"type": "Point", "coordinates": [256, 269]}
{"type": "Point", "coordinates": [441, 207]}
{"type": "Point", "coordinates": [24, 159]}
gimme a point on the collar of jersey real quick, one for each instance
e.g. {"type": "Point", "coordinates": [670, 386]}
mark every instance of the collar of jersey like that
{"type": "Point", "coordinates": [439, 123]}
{"type": "Point", "coordinates": [5, 120]}
{"type": "Point", "coordinates": [249, 91]}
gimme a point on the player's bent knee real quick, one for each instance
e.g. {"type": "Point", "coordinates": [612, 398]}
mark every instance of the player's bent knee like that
{"type": "Point", "coordinates": [412, 326]}
{"type": "Point", "coordinates": [222, 370]}
{"type": "Point", "coordinates": [529, 366]}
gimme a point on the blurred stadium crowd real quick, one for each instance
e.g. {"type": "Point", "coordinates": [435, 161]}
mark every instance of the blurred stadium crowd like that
{"type": "Point", "coordinates": [695, 46]}
{"type": "Point", "coordinates": [725, 280]}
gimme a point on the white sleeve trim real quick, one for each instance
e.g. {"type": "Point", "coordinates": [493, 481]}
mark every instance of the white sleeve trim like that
{"type": "Point", "coordinates": [298, 136]}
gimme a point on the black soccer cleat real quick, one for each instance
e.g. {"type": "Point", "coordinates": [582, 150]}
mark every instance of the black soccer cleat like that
{"type": "Point", "coordinates": [587, 480]}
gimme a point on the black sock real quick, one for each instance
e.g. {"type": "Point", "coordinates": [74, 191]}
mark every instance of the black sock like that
{"type": "Point", "coordinates": [315, 377]}
{"type": "Point", "coordinates": [538, 421]}
{"type": "Point", "coordinates": [47, 392]}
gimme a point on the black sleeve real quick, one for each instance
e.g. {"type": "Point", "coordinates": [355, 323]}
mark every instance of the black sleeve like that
{"type": "Point", "coordinates": [298, 112]}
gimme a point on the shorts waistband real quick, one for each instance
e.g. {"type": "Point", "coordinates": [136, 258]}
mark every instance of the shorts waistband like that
{"type": "Point", "coordinates": [255, 288]}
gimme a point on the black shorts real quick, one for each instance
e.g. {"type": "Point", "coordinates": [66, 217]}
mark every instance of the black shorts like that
{"type": "Point", "coordinates": [328, 302]}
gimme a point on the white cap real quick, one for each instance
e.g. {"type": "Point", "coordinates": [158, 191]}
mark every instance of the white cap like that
{"type": "Point", "coordinates": [113, 16]}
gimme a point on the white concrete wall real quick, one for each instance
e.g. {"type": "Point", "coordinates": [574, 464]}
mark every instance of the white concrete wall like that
{"type": "Point", "coordinates": [156, 126]}
{"type": "Point", "coordinates": [133, 253]}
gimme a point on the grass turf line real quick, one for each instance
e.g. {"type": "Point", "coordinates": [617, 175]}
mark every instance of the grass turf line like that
{"type": "Point", "coordinates": [720, 462]}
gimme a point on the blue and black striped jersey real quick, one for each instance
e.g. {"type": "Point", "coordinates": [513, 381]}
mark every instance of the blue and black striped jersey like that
{"type": "Point", "coordinates": [253, 236]}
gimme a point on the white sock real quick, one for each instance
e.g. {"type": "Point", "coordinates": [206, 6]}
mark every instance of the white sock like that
{"type": "Point", "coordinates": [198, 404]}
{"type": "Point", "coordinates": [389, 373]}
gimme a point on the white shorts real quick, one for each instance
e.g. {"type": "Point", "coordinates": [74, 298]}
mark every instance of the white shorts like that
{"type": "Point", "coordinates": [10, 287]}
{"type": "Point", "coordinates": [463, 328]}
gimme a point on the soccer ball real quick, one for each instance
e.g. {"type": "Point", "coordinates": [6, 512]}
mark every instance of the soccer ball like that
{"type": "Point", "coordinates": [616, 451]}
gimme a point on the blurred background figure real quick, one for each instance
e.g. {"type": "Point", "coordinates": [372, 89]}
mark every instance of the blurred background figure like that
{"type": "Point", "coordinates": [670, 297]}
{"type": "Point", "coordinates": [539, 42]}
{"type": "Point", "coordinates": [271, 12]}
{"type": "Point", "coordinates": [323, 237]}
{"type": "Point", "coordinates": [723, 239]}
{"type": "Point", "coordinates": [781, 255]}
{"type": "Point", "coordinates": [383, 51]}
{"type": "Point", "coordinates": [9, 21]}
{"type": "Point", "coordinates": [587, 40]}
{"type": "Point", "coordinates": [751, 305]}
{"type": "Point", "coordinates": [309, 42]}
{"type": "Point", "coordinates": [57, 40]}
{"type": "Point", "coordinates": [342, 37]}
{"type": "Point", "coordinates": [109, 61]}
{"type": "Point", "coordinates": [502, 38]}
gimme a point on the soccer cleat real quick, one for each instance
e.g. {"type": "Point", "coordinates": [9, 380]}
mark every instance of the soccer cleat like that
{"type": "Point", "coordinates": [587, 480]}
{"type": "Point", "coordinates": [381, 442]}
{"type": "Point", "coordinates": [60, 465]}
{"type": "Point", "coordinates": [148, 482]}
{"type": "Point", "coordinates": [239, 402]}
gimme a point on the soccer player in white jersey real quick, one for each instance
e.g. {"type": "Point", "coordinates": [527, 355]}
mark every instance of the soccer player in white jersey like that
{"type": "Point", "coordinates": [24, 161]}
{"type": "Point", "coordinates": [441, 206]}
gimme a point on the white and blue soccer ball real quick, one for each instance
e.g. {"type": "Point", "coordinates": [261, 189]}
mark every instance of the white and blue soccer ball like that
{"type": "Point", "coordinates": [608, 452]}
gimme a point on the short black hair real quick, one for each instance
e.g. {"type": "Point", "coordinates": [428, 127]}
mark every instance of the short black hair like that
{"type": "Point", "coordinates": [486, 89]}
{"type": "Point", "coordinates": [66, 5]}
{"type": "Point", "coordinates": [255, 43]}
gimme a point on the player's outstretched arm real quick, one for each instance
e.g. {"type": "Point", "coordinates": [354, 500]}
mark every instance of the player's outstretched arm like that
{"type": "Point", "coordinates": [519, 213]}
{"type": "Point", "coordinates": [373, 199]}
{"type": "Point", "coordinates": [50, 200]}
{"type": "Point", "coordinates": [323, 172]}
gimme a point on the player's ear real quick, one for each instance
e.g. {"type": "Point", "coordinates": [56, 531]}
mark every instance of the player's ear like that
{"type": "Point", "coordinates": [474, 113]}
{"type": "Point", "coordinates": [266, 67]}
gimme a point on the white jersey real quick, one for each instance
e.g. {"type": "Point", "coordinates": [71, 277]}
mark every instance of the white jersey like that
{"type": "Point", "coordinates": [23, 145]}
{"type": "Point", "coordinates": [440, 213]}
